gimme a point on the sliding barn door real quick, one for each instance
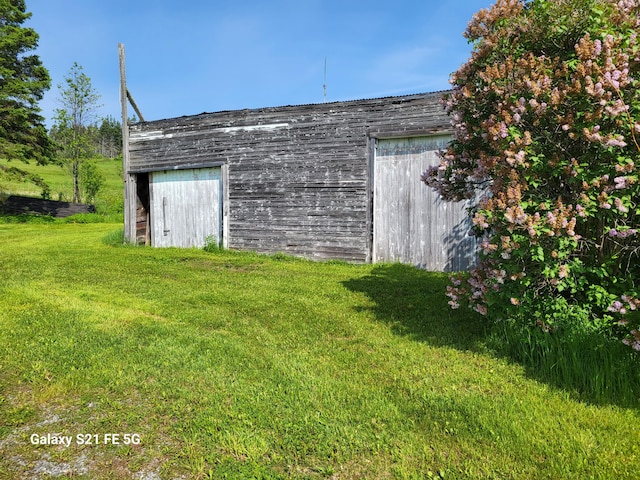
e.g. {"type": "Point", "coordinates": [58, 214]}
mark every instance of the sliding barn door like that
{"type": "Point", "coordinates": [186, 207]}
{"type": "Point", "coordinates": [411, 223]}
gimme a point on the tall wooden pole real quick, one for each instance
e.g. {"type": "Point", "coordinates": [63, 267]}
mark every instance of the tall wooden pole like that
{"type": "Point", "coordinates": [130, 196]}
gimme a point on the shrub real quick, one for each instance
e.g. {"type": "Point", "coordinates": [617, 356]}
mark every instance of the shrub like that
{"type": "Point", "coordinates": [91, 179]}
{"type": "Point", "coordinates": [212, 244]}
{"type": "Point", "coordinates": [547, 121]}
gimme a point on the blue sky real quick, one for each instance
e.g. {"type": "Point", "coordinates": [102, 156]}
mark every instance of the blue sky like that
{"type": "Point", "coordinates": [194, 56]}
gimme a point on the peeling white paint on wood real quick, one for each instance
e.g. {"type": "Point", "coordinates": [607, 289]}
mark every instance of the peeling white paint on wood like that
{"type": "Point", "coordinates": [152, 135]}
{"type": "Point", "coordinates": [251, 128]}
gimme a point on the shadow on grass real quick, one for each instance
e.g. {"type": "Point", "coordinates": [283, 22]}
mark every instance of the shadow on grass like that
{"type": "Point", "coordinates": [414, 304]}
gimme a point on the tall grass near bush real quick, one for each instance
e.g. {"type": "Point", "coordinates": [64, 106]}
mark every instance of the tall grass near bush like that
{"type": "Point", "coordinates": [590, 365]}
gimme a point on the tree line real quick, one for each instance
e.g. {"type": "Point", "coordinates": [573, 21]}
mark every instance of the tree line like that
{"type": "Point", "coordinates": [104, 136]}
{"type": "Point", "coordinates": [78, 136]}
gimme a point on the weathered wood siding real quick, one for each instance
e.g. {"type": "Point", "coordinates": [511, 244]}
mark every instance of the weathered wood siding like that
{"type": "Point", "coordinates": [412, 224]}
{"type": "Point", "coordinates": [299, 177]}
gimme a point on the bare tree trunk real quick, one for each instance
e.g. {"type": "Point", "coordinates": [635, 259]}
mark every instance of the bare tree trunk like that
{"type": "Point", "coordinates": [76, 182]}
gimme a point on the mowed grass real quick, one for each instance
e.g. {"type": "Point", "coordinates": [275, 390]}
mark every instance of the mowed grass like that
{"type": "Point", "coordinates": [234, 365]}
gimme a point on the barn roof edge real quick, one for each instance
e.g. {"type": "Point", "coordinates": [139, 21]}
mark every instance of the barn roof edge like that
{"type": "Point", "coordinates": [411, 95]}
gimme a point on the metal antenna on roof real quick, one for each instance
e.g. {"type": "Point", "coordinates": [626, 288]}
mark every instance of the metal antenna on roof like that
{"type": "Point", "coordinates": [324, 86]}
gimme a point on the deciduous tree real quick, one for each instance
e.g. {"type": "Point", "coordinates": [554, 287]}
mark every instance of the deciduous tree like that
{"type": "Point", "coordinates": [73, 123]}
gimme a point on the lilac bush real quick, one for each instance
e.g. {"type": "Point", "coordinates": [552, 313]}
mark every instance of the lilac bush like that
{"type": "Point", "coordinates": [547, 126]}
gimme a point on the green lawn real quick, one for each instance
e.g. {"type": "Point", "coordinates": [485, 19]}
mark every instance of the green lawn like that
{"type": "Point", "coordinates": [234, 365]}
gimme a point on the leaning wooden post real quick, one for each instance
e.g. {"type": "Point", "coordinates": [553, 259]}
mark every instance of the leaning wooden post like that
{"type": "Point", "coordinates": [130, 194]}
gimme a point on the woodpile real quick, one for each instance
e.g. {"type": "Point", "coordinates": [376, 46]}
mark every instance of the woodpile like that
{"type": "Point", "coordinates": [16, 205]}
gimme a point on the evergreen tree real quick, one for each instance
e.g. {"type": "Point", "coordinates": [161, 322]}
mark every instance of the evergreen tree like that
{"type": "Point", "coordinates": [23, 81]}
{"type": "Point", "coordinates": [109, 137]}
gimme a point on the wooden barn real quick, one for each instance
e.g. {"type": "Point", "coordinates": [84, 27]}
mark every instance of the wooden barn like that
{"type": "Point", "coordinates": [334, 180]}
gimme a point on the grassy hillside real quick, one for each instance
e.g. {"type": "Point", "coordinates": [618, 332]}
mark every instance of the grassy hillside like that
{"type": "Point", "coordinates": [233, 365]}
{"type": "Point", "coordinates": [109, 200]}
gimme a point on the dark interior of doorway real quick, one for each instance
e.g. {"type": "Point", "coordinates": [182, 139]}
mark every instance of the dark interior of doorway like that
{"type": "Point", "coordinates": [143, 224]}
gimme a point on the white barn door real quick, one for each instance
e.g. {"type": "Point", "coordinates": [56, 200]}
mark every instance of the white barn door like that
{"type": "Point", "coordinates": [186, 207]}
{"type": "Point", "coordinates": [411, 223]}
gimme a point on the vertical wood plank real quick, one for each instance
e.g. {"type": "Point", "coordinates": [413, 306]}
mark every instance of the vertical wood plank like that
{"type": "Point", "coordinates": [224, 171]}
{"type": "Point", "coordinates": [186, 207]}
{"type": "Point", "coordinates": [130, 200]}
{"type": "Point", "coordinates": [412, 224]}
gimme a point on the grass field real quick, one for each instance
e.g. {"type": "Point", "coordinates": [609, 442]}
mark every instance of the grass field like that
{"type": "Point", "coordinates": [234, 365]}
{"type": "Point", "coordinates": [109, 200]}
